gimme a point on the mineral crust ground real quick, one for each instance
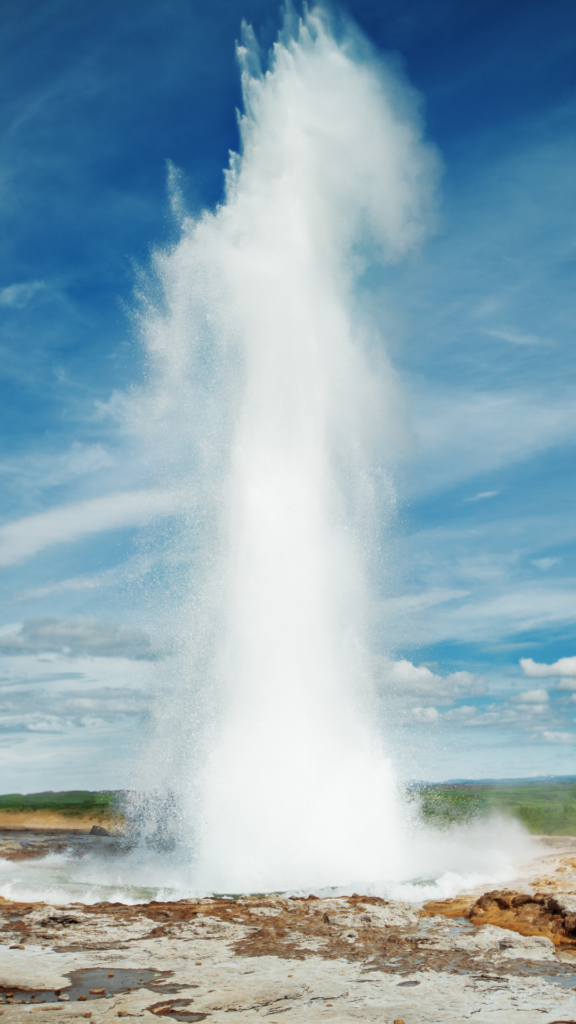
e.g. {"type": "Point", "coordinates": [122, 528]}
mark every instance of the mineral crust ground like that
{"type": "Point", "coordinates": [503, 956]}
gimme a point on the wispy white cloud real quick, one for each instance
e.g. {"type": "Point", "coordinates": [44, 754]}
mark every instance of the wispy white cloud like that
{"type": "Point", "coordinates": [48, 470]}
{"type": "Point", "coordinates": [77, 583]}
{"type": "Point", "coordinates": [562, 667]}
{"type": "Point", "coordinates": [26, 476]}
{"type": "Point", "coordinates": [58, 711]}
{"type": "Point", "coordinates": [119, 408]}
{"type": "Point", "coordinates": [482, 495]}
{"type": "Point", "coordinates": [462, 434]}
{"type": "Point", "coordinates": [395, 607]}
{"type": "Point", "coordinates": [559, 737]}
{"type": "Point", "coordinates": [69, 523]}
{"type": "Point", "coordinates": [86, 721]}
{"type": "Point", "coordinates": [514, 611]}
{"type": "Point", "coordinates": [20, 295]}
{"type": "Point", "coordinates": [501, 607]}
{"type": "Point", "coordinates": [134, 568]}
{"type": "Point", "coordinates": [545, 563]}
{"type": "Point", "coordinates": [515, 337]}
{"type": "Point", "coordinates": [36, 679]}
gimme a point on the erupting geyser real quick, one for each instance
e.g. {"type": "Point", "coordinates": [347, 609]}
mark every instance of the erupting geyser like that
{"type": "Point", "coordinates": [266, 738]}
{"type": "Point", "coordinates": [271, 406]}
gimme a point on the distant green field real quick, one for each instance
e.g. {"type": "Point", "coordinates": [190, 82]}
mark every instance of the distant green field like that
{"type": "Point", "coordinates": [76, 804]}
{"type": "Point", "coordinates": [545, 807]}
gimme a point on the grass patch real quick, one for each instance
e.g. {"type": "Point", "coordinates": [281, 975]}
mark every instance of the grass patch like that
{"type": "Point", "coordinates": [544, 806]}
{"type": "Point", "coordinates": [75, 804]}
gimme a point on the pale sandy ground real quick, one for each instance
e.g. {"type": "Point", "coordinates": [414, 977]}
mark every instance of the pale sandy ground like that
{"type": "Point", "coordinates": [49, 819]}
{"type": "Point", "coordinates": [278, 959]}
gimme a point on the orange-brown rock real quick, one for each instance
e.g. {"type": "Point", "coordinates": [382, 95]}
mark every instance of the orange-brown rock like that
{"type": "Point", "coordinates": [458, 907]}
{"type": "Point", "coordinates": [553, 916]}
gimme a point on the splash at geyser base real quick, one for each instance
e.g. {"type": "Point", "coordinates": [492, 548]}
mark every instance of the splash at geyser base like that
{"type": "Point", "coordinates": [272, 419]}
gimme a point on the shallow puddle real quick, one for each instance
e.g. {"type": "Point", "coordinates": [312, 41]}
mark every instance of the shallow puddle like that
{"type": "Point", "coordinates": [566, 980]}
{"type": "Point", "coordinates": [92, 984]}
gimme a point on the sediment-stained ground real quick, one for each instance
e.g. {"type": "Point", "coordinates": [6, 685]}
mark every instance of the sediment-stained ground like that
{"type": "Point", "coordinates": [505, 956]}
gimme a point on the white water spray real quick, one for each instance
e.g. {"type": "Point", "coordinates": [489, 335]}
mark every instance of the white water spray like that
{"type": "Point", "coordinates": [271, 417]}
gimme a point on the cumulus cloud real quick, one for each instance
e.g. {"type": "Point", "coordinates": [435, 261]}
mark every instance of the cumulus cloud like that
{"type": "Point", "coordinates": [78, 637]}
{"type": "Point", "coordinates": [414, 682]}
{"type": "Point", "coordinates": [498, 716]}
{"type": "Point", "coordinates": [426, 714]}
{"type": "Point", "coordinates": [531, 697]}
{"type": "Point", "coordinates": [68, 523]}
{"type": "Point", "coordinates": [463, 713]}
{"type": "Point", "coordinates": [524, 711]}
{"type": "Point", "coordinates": [562, 667]}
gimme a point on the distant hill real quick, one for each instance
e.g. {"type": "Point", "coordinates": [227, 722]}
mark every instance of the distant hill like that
{"type": "Point", "coordinates": [537, 780]}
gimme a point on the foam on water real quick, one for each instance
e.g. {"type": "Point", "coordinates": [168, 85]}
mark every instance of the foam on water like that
{"type": "Point", "coordinates": [437, 866]}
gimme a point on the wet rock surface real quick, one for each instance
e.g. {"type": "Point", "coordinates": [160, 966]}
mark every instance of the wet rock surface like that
{"type": "Point", "coordinates": [502, 956]}
{"type": "Point", "coordinates": [30, 843]}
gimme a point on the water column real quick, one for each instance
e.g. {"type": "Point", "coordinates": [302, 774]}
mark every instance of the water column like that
{"type": "Point", "coordinates": [272, 746]}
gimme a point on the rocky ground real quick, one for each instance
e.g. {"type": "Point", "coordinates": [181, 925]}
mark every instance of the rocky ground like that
{"type": "Point", "coordinates": [498, 957]}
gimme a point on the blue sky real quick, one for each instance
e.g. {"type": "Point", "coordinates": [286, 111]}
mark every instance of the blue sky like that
{"type": "Point", "coordinates": [479, 326]}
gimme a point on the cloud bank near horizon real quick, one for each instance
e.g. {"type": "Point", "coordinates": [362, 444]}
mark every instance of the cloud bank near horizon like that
{"type": "Point", "coordinates": [78, 638]}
